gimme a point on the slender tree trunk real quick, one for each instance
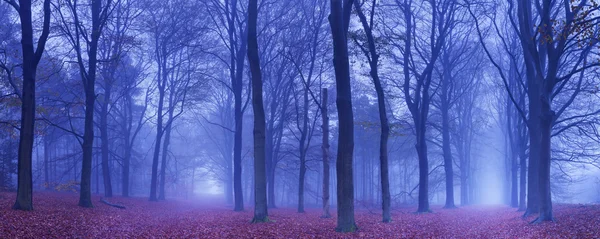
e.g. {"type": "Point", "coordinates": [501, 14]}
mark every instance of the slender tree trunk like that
{"type": "Point", "coordinates": [301, 177]}
{"type": "Point", "coordinates": [303, 148]}
{"type": "Point", "coordinates": [165, 151]}
{"type": "Point", "coordinates": [46, 159]}
{"type": "Point", "coordinates": [229, 183]}
{"type": "Point", "coordinates": [270, 161]}
{"type": "Point", "coordinates": [260, 181]}
{"type": "Point", "coordinates": [385, 128]}
{"type": "Point", "coordinates": [325, 148]}
{"type": "Point", "coordinates": [239, 119]}
{"type": "Point", "coordinates": [514, 190]}
{"type": "Point", "coordinates": [104, 139]}
{"type": "Point", "coordinates": [236, 72]}
{"type": "Point", "coordinates": [423, 171]}
{"type": "Point", "coordinates": [446, 148]}
{"type": "Point", "coordinates": [85, 198]}
{"type": "Point", "coordinates": [159, 132]}
{"type": "Point", "coordinates": [523, 175]}
{"type": "Point", "coordinates": [126, 169]}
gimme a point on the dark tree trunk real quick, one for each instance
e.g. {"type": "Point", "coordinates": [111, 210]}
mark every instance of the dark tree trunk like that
{"type": "Point", "coordinates": [445, 98]}
{"type": "Point", "coordinates": [423, 171]}
{"type": "Point", "coordinates": [229, 183]}
{"type": "Point", "coordinates": [522, 166]}
{"type": "Point", "coordinates": [236, 72]}
{"type": "Point", "coordinates": [446, 149]}
{"type": "Point", "coordinates": [522, 175]}
{"type": "Point", "coordinates": [260, 181]}
{"type": "Point", "coordinates": [46, 159]}
{"type": "Point", "coordinates": [85, 197]}
{"type": "Point", "coordinates": [534, 149]}
{"type": "Point", "coordinates": [159, 127]}
{"type": "Point", "coordinates": [545, 195]}
{"type": "Point", "coordinates": [514, 190]}
{"type": "Point", "coordinates": [301, 177]}
{"type": "Point", "coordinates": [167, 140]}
{"type": "Point", "coordinates": [164, 155]}
{"type": "Point", "coordinates": [104, 138]}
{"type": "Point", "coordinates": [303, 149]}
{"type": "Point", "coordinates": [325, 148]}
{"type": "Point", "coordinates": [237, 152]}
{"type": "Point", "coordinates": [126, 169]}
{"type": "Point", "coordinates": [448, 169]}
{"type": "Point", "coordinates": [339, 21]}
{"type": "Point", "coordinates": [269, 161]}
{"type": "Point", "coordinates": [383, 119]}
{"type": "Point", "coordinates": [31, 58]}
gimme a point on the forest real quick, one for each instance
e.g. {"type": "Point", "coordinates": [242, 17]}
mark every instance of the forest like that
{"type": "Point", "coordinates": [299, 119]}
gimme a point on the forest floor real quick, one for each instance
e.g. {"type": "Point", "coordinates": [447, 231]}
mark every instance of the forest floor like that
{"type": "Point", "coordinates": [57, 215]}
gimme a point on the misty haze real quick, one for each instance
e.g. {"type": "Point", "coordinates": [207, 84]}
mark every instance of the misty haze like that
{"type": "Point", "coordinates": [299, 119]}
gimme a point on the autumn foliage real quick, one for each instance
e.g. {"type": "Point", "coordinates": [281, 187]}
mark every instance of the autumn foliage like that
{"type": "Point", "coordinates": [56, 215]}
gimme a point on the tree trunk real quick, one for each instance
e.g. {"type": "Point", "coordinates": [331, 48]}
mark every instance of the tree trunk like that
{"type": "Point", "coordinates": [126, 169]}
{"type": "Point", "coordinates": [385, 128]}
{"type": "Point", "coordinates": [534, 149]}
{"type": "Point", "coordinates": [236, 72]}
{"type": "Point", "coordinates": [159, 132]}
{"type": "Point", "coordinates": [447, 151]}
{"type": "Point", "coordinates": [85, 196]}
{"type": "Point", "coordinates": [545, 195]}
{"type": "Point", "coordinates": [165, 150]}
{"type": "Point", "coordinates": [514, 190]}
{"type": "Point", "coordinates": [423, 171]}
{"type": "Point", "coordinates": [104, 139]}
{"type": "Point", "coordinates": [301, 177]}
{"type": "Point", "coordinates": [339, 21]}
{"type": "Point", "coordinates": [325, 148]}
{"type": "Point", "coordinates": [46, 159]}
{"type": "Point", "coordinates": [31, 58]}
{"type": "Point", "coordinates": [303, 148]}
{"type": "Point", "coordinates": [522, 176]}
{"type": "Point", "coordinates": [260, 181]}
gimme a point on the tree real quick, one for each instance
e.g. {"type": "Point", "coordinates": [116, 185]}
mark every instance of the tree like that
{"type": "Point", "coordinates": [31, 59]}
{"type": "Point", "coordinates": [86, 39]}
{"type": "Point", "coordinates": [235, 40]}
{"type": "Point", "coordinates": [372, 56]}
{"type": "Point", "coordinates": [173, 42]}
{"type": "Point", "coordinates": [339, 20]}
{"type": "Point", "coordinates": [417, 82]}
{"type": "Point", "coordinates": [325, 148]}
{"type": "Point", "coordinates": [260, 180]}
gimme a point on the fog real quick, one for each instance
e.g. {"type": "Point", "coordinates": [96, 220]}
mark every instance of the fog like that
{"type": "Point", "coordinates": [302, 104]}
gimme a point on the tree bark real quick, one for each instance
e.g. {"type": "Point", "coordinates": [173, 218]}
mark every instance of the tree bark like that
{"type": "Point", "coordinates": [544, 190]}
{"type": "Point", "coordinates": [325, 148]}
{"type": "Point", "coordinates": [383, 119]}
{"type": "Point", "coordinates": [236, 72]}
{"type": "Point", "coordinates": [339, 21]}
{"type": "Point", "coordinates": [31, 59]}
{"type": "Point", "coordinates": [164, 155]}
{"type": "Point", "coordinates": [46, 161]}
{"type": "Point", "coordinates": [523, 174]}
{"type": "Point", "coordinates": [260, 181]}
{"type": "Point", "coordinates": [167, 140]}
{"type": "Point", "coordinates": [85, 198]}
{"type": "Point", "coordinates": [104, 138]}
{"type": "Point", "coordinates": [162, 74]}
